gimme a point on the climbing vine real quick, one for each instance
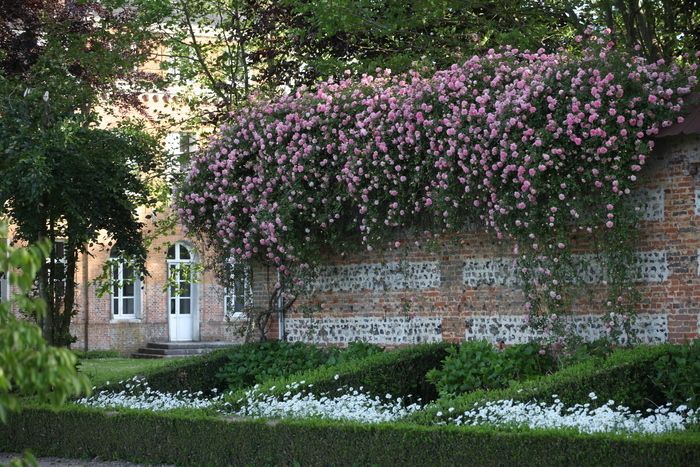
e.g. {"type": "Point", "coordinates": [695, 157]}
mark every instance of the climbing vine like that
{"type": "Point", "coordinates": [539, 148]}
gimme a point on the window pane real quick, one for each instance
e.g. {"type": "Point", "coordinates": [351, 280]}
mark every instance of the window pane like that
{"type": "Point", "coordinates": [238, 308]}
{"type": "Point", "coordinates": [184, 252]}
{"type": "Point", "coordinates": [171, 252]}
{"type": "Point", "coordinates": [185, 306]}
{"type": "Point", "coordinates": [128, 289]}
{"type": "Point", "coordinates": [172, 306]}
{"type": "Point", "coordinates": [185, 289]}
{"type": "Point", "coordinates": [128, 306]}
{"type": "Point", "coordinates": [59, 248]}
{"type": "Point", "coordinates": [115, 306]}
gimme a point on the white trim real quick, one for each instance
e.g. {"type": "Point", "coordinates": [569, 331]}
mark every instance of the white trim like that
{"type": "Point", "coordinates": [193, 296]}
{"type": "Point", "coordinates": [230, 296]}
{"type": "Point", "coordinates": [137, 297]}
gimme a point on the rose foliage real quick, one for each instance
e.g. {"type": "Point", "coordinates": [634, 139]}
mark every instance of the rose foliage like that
{"type": "Point", "coordinates": [537, 147]}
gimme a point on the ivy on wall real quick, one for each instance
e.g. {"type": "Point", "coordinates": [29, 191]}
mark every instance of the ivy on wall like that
{"type": "Point", "coordinates": [537, 147]}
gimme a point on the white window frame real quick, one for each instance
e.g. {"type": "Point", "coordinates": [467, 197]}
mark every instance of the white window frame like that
{"type": "Point", "coordinates": [118, 314]}
{"type": "Point", "coordinates": [177, 144]}
{"type": "Point", "coordinates": [231, 299]}
{"type": "Point", "coordinates": [177, 262]}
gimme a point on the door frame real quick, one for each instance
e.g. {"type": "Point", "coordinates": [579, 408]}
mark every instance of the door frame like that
{"type": "Point", "coordinates": [194, 290]}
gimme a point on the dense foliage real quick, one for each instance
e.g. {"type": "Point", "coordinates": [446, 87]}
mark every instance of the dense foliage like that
{"type": "Point", "coordinates": [536, 147]}
{"type": "Point", "coordinates": [61, 70]}
{"type": "Point", "coordinates": [638, 378]}
{"type": "Point", "coordinates": [28, 366]}
{"type": "Point", "coordinates": [399, 372]}
{"type": "Point", "coordinates": [253, 364]}
{"type": "Point", "coordinates": [479, 365]}
{"type": "Point", "coordinates": [677, 374]}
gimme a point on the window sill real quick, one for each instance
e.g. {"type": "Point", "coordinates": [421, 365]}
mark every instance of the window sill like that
{"type": "Point", "coordinates": [236, 317]}
{"type": "Point", "coordinates": [125, 320]}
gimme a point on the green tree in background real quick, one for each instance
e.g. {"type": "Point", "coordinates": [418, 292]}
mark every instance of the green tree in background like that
{"type": "Point", "coordinates": [64, 178]}
{"type": "Point", "coordinates": [28, 366]}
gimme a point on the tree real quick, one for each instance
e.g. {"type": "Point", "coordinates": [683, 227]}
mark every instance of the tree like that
{"type": "Point", "coordinates": [64, 177]}
{"type": "Point", "coordinates": [273, 46]}
{"type": "Point", "coordinates": [28, 366]}
{"type": "Point", "coordinates": [658, 28]}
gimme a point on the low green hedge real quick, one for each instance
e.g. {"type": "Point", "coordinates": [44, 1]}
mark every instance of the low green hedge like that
{"type": "Point", "coordinates": [190, 374]}
{"type": "Point", "coordinates": [180, 439]}
{"type": "Point", "coordinates": [626, 377]}
{"type": "Point", "coordinates": [400, 372]}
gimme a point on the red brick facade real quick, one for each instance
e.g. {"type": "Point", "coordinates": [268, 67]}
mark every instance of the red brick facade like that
{"type": "Point", "coordinates": [453, 288]}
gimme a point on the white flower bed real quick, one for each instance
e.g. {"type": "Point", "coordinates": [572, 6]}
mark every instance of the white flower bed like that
{"type": "Point", "coordinates": [608, 418]}
{"type": "Point", "coordinates": [356, 405]}
{"type": "Point", "coordinates": [345, 404]}
{"type": "Point", "coordinates": [138, 395]}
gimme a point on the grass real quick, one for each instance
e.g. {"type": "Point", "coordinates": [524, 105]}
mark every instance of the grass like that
{"type": "Point", "coordinates": [103, 370]}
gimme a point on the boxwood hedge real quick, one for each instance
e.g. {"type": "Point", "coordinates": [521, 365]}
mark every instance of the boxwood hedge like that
{"type": "Point", "coordinates": [189, 439]}
{"type": "Point", "coordinates": [626, 377]}
{"type": "Point", "coordinates": [400, 372]}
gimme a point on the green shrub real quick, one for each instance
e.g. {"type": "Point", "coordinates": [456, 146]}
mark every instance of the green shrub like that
{"type": "Point", "coordinates": [625, 377]}
{"type": "Point", "coordinates": [189, 439]}
{"type": "Point", "coordinates": [400, 372]}
{"type": "Point", "coordinates": [191, 374]}
{"type": "Point", "coordinates": [479, 365]}
{"type": "Point", "coordinates": [254, 364]}
{"type": "Point", "coordinates": [677, 374]}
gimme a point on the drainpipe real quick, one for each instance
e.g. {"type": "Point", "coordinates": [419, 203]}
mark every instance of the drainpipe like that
{"type": "Point", "coordinates": [86, 300]}
{"type": "Point", "coordinates": [280, 314]}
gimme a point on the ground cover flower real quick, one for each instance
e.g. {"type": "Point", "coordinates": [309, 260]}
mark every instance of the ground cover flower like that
{"type": "Point", "coordinates": [137, 394]}
{"type": "Point", "coordinates": [345, 403]}
{"type": "Point", "coordinates": [607, 418]}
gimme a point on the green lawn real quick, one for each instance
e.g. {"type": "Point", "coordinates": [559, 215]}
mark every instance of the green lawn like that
{"type": "Point", "coordinates": [102, 370]}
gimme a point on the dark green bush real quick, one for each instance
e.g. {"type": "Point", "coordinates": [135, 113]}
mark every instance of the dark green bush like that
{"type": "Point", "coordinates": [625, 377]}
{"type": "Point", "coordinates": [255, 364]}
{"type": "Point", "coordinates": [400, 372]}
{"type": "Point", "coordinates": [188, 439]}
{"type": "Point", "coordinates": [677, 374]}
{"type": "Point", "coordinates": [479, 365]}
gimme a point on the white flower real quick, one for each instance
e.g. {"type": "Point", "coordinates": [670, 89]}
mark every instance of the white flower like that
{"type": "Point", "coordinates": [336, 377]}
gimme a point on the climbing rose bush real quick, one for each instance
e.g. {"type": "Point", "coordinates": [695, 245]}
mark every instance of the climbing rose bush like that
{"type": "Point", "coordinates": [536, 147]}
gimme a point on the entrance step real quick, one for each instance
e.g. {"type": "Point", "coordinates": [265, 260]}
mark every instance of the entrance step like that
{"type": "Point", "coordinates": [179, 349]}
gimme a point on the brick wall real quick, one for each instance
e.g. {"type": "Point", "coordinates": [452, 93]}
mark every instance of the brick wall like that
{"type": "Point", "coordinates": [462, 285]}
{"type": "Point", "coordinates": [106, 332]}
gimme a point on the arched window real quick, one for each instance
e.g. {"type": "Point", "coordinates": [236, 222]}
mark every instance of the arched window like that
{"type": "Point", "coordinates": [126, 287]}
{"type": "Point", "coordinates": [238, 293]}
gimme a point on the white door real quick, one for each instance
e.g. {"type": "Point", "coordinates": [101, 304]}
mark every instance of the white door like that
{"type": "Point", "coordinates": [181, 294]}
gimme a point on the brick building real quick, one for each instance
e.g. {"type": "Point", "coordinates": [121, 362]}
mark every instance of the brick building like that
{"type": "Point", "coordinates": [462, 287]}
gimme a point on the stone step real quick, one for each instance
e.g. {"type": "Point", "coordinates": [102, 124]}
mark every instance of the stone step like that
{"type": "Point", "coordinates": [189, 345]}
{"type": "Point", "coordinates": [191, 351]}
{"type": "Point", "coordinates": [150, 355]}
{"type": "Point", "coordinates": [179, 349]}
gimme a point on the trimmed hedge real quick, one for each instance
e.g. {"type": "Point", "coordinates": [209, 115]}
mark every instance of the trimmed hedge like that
{"type": "Point", "coordinates": [181, 439]}
{"type": "Point", "coordinates": [191, 374]}
{"type": "Point", "coordinates": [625, 377]}
{"type": "Point", "coordinates": [399, 372]}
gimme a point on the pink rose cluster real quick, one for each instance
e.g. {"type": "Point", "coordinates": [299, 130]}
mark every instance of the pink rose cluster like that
{"type": "Point", "coordinates": [532, 145]}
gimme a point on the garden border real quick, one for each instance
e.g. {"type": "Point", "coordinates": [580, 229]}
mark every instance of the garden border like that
{"type": "Point", "coordinates": [187, 438]}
